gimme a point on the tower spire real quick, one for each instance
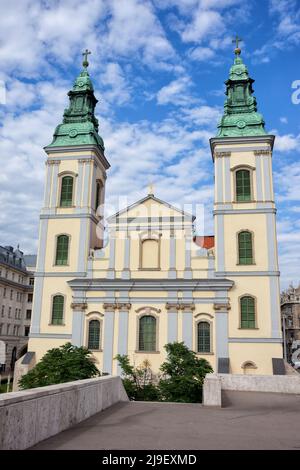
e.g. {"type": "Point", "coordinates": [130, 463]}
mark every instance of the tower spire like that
{"type": "Point", "coordinates": [80, 125]}
{"type": "Point", "coordinates": [240, 117]}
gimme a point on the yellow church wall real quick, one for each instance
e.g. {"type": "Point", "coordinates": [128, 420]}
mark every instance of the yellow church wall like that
{"type": "Point", "coordinates": [261, 291]}
{"type": "Point", "coordinates": [41, 345]}
{"type": "Point", "coordinates": [260, 354]}
{"type": "Point", "coordinates": [53, 286]}
{"type": "Point", "coordinates": [233, 224]}
{"type": "Point", "coordinates": [57, 227]}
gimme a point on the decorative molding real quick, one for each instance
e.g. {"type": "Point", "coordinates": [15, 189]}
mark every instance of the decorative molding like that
{"type": "Point", "coordinates": [180, 306]}
{"type": "Point", "coordinates": [222, 307]}
{"type": "Point", "coordinates": [52, 162]}
{"type": "Point", "coordinates": [79, 306]}
{"type": "Point", "coordinates": [117, 305]}
{"type": "Point", "coordinates": [142, 309]}
{"type": "Point", "coordinates": [222, 154]}
{"type": "Point", "coordinates": [262, 152]}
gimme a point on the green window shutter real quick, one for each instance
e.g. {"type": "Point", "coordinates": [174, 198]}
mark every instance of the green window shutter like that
{"type": "Point", "coordinates": [94, 335]}
{"type": "Point", "coordinates": [66, 194]}
{"type": "Point", "coordinates": [247, 312]}
{"type": "Point", "coordinates": [57, 310]}
{"type": "Point", "coordinates": [243, 186]}
{"type": "Point", "coordinates": [147, 333]}
{"type": "Point", "coordinates": [203, 337]}
{"type": "Point", "coordinates": [62, 250]}
{"type": "Point", "coordinates": [245, 248]}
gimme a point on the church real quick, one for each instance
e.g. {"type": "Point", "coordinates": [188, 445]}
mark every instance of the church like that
{"type": "Point", "coordinates": [154, 281]}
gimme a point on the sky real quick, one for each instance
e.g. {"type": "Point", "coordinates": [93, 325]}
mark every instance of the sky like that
{"type": "Point", "coordinates": [158, 69]}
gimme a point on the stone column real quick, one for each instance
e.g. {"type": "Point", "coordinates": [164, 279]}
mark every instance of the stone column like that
{"type": "Point", "coordinates": [112, 254]}
{"type": "Point", "coordinates": [187, 324]}
{"type": "Point", "coordinates": [123, 330]}
{"type": "Point", "coordinates": [188, 260]}
{"type": "Point", "coordinates": [78, 199]}
{"type": "Point", "coordinates": [78, 323]}
{"type": "Point", "coordinates": [49, 166]}
{"type": "Point", "coordinates": [222, 351]}
{"type": "Point", "coordinates": [126, 267]}
{"type": "Point", "coordinates": [54, 196]}
{"type": "Point", "coordinates": [172, 261]}
{"type": "Point", "coordinates": [108, 347]}
{"type": "Point", "coordinates": [172, 312]}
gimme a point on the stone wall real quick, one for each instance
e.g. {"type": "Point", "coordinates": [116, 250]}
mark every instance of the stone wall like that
{"type": "Point", "coordinates": [31, 416]}
{"type": "Point", "coordinates": [215, 383]}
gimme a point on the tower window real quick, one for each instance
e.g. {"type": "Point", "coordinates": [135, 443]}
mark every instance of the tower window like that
{"type": "Point", "coordinates": [99, 187]}
{"type": "Point", "coordinates": [203, 336]}
{"type": "Point", "coordinates": [147, 333]}
{"type": "Point", "coordinates": [245, 248]}
{"type": "Point", "coordinates": [243, 186]}
{"type": "Point", "coordinates": [247, 304]}
{"type": "Point", "coordinates": [66, 194]}
{"type": "Point", "coordinates": [94, 335]}
{"type": "Point", "coordinates": [62, 250]}
{"type": "Point", "coordinates": [57, 310]}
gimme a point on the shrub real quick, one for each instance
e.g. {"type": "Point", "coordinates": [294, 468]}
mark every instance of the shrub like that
{"type": "Point", "coordinates": [59, 365]}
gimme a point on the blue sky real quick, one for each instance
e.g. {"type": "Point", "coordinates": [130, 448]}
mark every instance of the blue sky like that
{"type": "Point", "coordinates": [158, 67]}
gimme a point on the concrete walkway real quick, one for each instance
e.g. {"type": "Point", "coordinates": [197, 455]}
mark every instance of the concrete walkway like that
{"type": "Point", "coordinates": [248, 421]}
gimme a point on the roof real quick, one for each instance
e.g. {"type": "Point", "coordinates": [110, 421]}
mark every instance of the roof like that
{"type": "Point", "coordinates": [206, 241]}
{"type": "Point", "coordinates": [156, 199]}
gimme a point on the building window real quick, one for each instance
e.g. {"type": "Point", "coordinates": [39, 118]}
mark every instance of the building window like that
{"type": "Point", "coordinates": [99, 187]}
{"type": "Point", "coordinates": [247, 312]}
{"type": "Point", "coordinates": [16, 313]}
{"type": "Point", "coordinates": [150, 254]}
{"type": "Point", "coordinates": [57, 310]}
{"type": "Point", "coordinates": [11, 294]}
{"type": "Point", "coordinates": [4, 292]}
{"type": "Point", "coordinates": [147, 333]}
{"type": "Point", "coordinates": [31, 281]}
{"type": "Point", "coordinates": [29, 298]}
{"type": "Point", "coordinates": [8, 329]}
{"type": "Point", "coordinates": [13, 276]}
{"type": "Point", "coordinates": [203, 337]}
{"type": "Point", "coordinates": [66, 194]}
{"type": "Point", "coordinates": [62, 250]}
{"type": "Point", "coordinates": [9, 312]}
{"type": "Point", "coordinates": [243, 185]}
{"type": "Point", "coordinates": [245, 247]}
{"type": "Point", "coordinates": [94, 335]}
{"type": "Point", "coordinates": [28, 314]}
{"type": "Point", "coordinates": [26, 330]}
{"type": "Point", "coordinates": [2, 311]}
{"type": "Point", "coordinates": [1, 328]}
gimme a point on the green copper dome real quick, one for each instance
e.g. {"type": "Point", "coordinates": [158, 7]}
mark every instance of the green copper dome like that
{"type": "Point", "coordinates": [80, 125]}
{"type": "Point", "coordinates": [240, 116]}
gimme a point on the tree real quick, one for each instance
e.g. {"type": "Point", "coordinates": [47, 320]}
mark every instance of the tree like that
{"type": "Point", "coordinates": [183, 375]}
{"type": "Point", "coordinates": [137, 381]}
{"type": "Point", "coordinates": [59, 365]}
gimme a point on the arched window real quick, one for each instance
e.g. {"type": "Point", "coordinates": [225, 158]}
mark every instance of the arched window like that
{"type": "Point", "coordinates": [66, 193]}
{"type": "Point", "coordinates": [247, 312]}
{"type": "Point", "coordinates": [57, 310]}
{"type": "Point", "coordinates": [203, 337]}
{"type": "Point", "coordinates": [150, 254]}
{"type": "Point", "coordinates": [62, 250]}
{"type": "Point", "coordinates": [243, 185]}
{"type": "Point", "coordinates": [99, 187]}
{"type": "Point", "coordinates": [147, 333]}
{"type": "Point", "coordinates": [94, 335]}
{"type": "Point", "coordinates": [249, 367]}
{"type": "Point", "coordinates": [245, 248]}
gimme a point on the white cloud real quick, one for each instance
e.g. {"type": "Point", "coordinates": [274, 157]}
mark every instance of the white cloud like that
{"type": "Point", "coordinates": [176, 92]}
{"type": "Point", "coordinates": [201, 53]}
{"type": "Point", "coordinates": [117, 89]}
{"type": "Point", "coordinates": [205, 23]}
{"type": "Point", "coordinates": [285, 143]}
{"type": "Point", "coordinates": [284, 120]}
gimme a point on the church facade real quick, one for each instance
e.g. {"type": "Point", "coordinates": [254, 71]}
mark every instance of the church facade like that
{"type": "Point", "coordinates": [155, 281]}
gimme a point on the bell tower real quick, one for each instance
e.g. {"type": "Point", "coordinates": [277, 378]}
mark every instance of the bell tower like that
{"type": "Point", "coordinates": [245, 225]}
{"type": "Point", "coordinates": [70, 219]}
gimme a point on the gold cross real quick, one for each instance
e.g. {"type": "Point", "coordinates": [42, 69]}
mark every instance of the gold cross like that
{"type": "Point", "coordinates": [85, 55]}
{"type": "Point", "coordinates": [151, 189]}
{"type": "Point", "coordinates": [236, 40]}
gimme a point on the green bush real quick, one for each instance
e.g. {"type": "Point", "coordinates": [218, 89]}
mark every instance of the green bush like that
{"type": "Point", "coordinates": [137, 381]}
{"type": "Point", "coordinates": [183, 375]}
{"type": "Point", "coordinates": [59, 365]}
{"type": "Point", "coordinates": [181, 381]}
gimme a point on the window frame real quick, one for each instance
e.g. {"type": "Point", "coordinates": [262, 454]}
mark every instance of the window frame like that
{"type": "Point", "coordinates": [147, 315]}
{"type": "Point", "coordinates": [94, 315]}
{"type": "Point", "coordinates": [234, 170]}
{"type": "Point", "coordinates": [145, 236]}
{"type": "Point", "coordinates": [51, 311]}
{"type": "Point", "coordinates": [238, 247]}
{"type": "Point", "coordinates": [55, 252]}
{"type": "Point", "coordinates": [142, 312]}
{"type": "Point", "coordinates": [202, 320]}
{"type": "Point", "coordinates": [61, 176]}
{"type": "Point", "coordinates": [255, 327]}
{"type": "Point", "coordinates": [90, 320]}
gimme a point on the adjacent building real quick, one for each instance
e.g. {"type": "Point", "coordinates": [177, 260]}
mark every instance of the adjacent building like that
{"type": "Point", "coordinates": [16, 294]}
{"type": "Point", "coordinates": [290, 314]}
{"type": "Point", "coordinates": [154, 281]}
